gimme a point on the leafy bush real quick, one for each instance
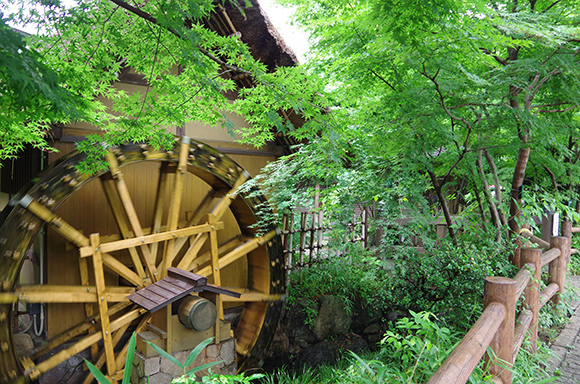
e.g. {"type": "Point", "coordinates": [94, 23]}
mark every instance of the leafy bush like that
{"type": "Point", "coordinates": [356, 277]}
{"type": "Point", "coordinates": [448, 279]}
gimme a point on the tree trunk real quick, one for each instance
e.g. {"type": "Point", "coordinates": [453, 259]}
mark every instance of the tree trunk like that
{"type": "Point", "coordinates": [497, 185]}
{"type": "Point", "coordinates": [516, 199]}
{"type": "Point", "coordinates": [489, 198]}
{"type": "Point", "coordinates": [444, 205]}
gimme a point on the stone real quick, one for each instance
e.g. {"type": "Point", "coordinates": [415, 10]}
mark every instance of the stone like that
{"type": "Point", "coordinates": [321, 353]}
{"type": "Point", "coordinates": [166, 366]}
{"type": "Point", "coordinates": [151, 365]}
{"type": "Point", "coordinates": [228, 352]}
{"type": "Point", "coordinates": [213, 351]}
{"type": "Point", "coordinates": [160, 378]}
{"type": "Point", "coordinates": [373, 328]}
{"type": "Point", "coordinates": [333, 318]}
{"type": "Point", "coordinates": [22, 343]}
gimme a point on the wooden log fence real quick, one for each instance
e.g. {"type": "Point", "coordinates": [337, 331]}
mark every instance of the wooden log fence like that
{"type": "Point", "coordinates": [497, 327]}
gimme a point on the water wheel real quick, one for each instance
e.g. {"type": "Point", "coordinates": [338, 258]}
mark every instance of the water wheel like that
{"type": "Point", "coordinates": [188, 215]}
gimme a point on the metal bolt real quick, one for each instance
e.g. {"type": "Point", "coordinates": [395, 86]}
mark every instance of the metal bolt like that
{"type": "Point", "coordinates": [103, 298]}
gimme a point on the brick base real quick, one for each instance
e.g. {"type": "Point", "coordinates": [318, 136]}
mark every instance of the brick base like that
{"type": "Point", "coordinates": [157, 370]}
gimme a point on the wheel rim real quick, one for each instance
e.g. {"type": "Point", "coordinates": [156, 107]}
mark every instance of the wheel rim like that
{"type": "Point", "coordinates": [187, 171]}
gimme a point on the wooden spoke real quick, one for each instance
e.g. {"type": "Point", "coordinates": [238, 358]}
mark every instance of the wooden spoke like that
{"type": "Point", "coordinates": [205, 257]}
{"type": "Point", "coordinates": [249, 296]}
{"type": "Point", "coordinates": [197, 216]}
{"type": "Point", "coordinates": [117, 208]}
{"type": "Point", "coordinates": [121, 355]}
{"type": "Point", "coordinates": [58, 224]}
{"type": "Point", "coordinates": [63, 294]}
{"type": "Point", "coordinates": [226, 201]}
{"type": "Point", "coordinates": [125, 197]}
{"type": "Point", "coordinates": [175, 204]}
{"type": "Point", "coordinates": [78, 329]}
{"type": "Point", "coordinates": [77, 238]}
{"type": "Point", "coordinates": [239, 252]}
{"type": "Point", "coordinates": [192, 251]}
{"type": "Point", "coordinates": [159, 204]}
{"type": "Point", "coordinates": [81, 345]}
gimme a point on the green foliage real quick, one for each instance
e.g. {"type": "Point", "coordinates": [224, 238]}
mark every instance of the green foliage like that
{"type": "Point", "coordinates": [417, 342]}
{"type": "Point", "coordinates": [68, 72]}
{"type": "Point", "coordinates": [447, 279]}
{"type": "Point", "coordinates": [213, 378]}
{"type": "Point", "coordinates": [356, 278]}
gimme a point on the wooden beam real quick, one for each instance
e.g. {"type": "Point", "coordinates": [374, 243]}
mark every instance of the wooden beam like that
{"type": "Point", "coordinates": [63, 294]}
{"type": "Point", "coordinates": [102, 304]}
{"type": "Point", "coordinates": [149, 239]}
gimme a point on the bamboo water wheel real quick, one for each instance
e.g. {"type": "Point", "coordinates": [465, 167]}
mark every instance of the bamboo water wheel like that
{"type": "Point", "coordinates": [193, 220]}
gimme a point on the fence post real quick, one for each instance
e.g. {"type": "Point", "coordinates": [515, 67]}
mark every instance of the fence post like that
{"type": "Point", "coordinates": [501, 290]}
{"type": "Point", "coordinates": [557, 267]}
{"type": "Point", "coordinates": [532, 292]}
{"type": "Point", "coordinates": [566, 228]}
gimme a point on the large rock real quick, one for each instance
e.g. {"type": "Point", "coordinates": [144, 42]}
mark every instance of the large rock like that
{"type": "Point", "coordinates": [322, 353]}
{"type": "Point", "coordinates": [333, 318]}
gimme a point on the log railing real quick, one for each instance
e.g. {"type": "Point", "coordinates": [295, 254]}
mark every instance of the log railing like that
{"type": "Point", "coordinates": [497, 327]}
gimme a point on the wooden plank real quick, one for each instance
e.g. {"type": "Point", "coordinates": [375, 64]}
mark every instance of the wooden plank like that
{"type": "Point", "coordinates": [155, 288]}
{"type": "Point", "coordinates": [149, 239]}
{"type": "Point", "coordinates": [191, 278]}
{"type": "Point", "coordinates": [169, 287]}
{"type": "Point", "coordinates": [100, 359]}
{"type": "Point", "coordinates": [122, 270]}
{"type": "Point", "coordinates": [52, 294]}
{"type": "Point", "coordinates": [252, 296]}
{"type": "Point", "coordinates": [102, 304]}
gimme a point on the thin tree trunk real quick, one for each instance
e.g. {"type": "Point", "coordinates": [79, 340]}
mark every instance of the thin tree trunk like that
{"type": "Point", "coordinates": [497, 185]}
{"type": "Point", "coordinates": [444, 205]}
{"type": "Point", "coordinates": [489, 198]}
